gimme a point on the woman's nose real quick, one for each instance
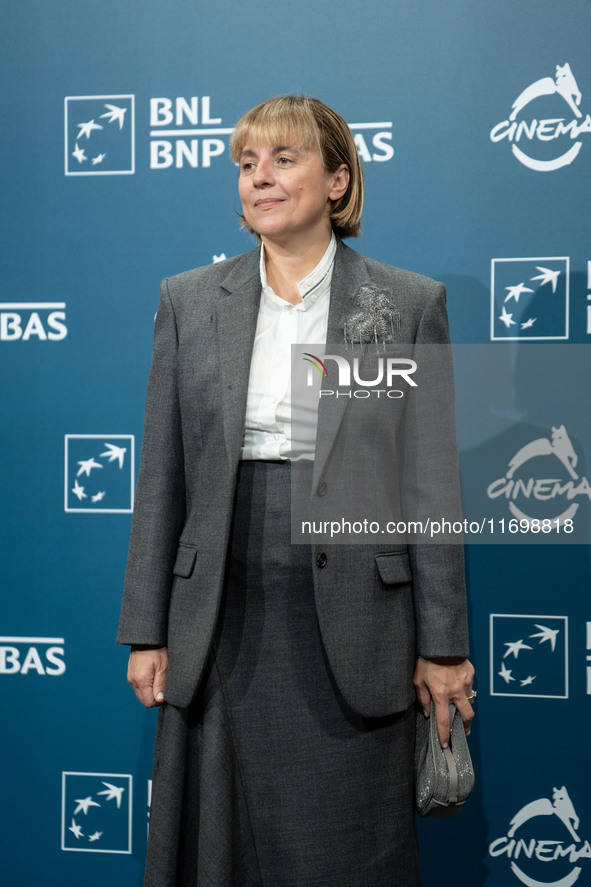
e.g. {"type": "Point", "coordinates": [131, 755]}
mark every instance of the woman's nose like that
{"type": "Point", "coordinates": [263, 174]}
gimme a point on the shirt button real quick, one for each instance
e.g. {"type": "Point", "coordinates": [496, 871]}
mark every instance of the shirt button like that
{"type": "Point", "coordinates": [321, 560]}
{"type": "Point", "coordinates": [322, 488]}
{"type": "Point", "coordinates": [276, 436]}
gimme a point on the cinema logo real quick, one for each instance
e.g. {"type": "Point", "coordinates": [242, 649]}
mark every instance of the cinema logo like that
{"type": "Point", "coordinates": [519, 487]}
{"type": "Point", "coordinates": [384, 371]}
{"type": "Point", "coordinates": [538, 128]}
{"type": "Point", "coordinates": [30, 321]}
{"type": "Point", "coordinates": [543, 844]}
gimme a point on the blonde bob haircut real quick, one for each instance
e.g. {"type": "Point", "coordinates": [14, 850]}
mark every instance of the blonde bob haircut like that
{"type": "Point", "coordinates": [309, 124]}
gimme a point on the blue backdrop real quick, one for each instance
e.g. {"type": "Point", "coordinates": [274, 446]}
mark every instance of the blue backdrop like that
{"type": "Point", "coordinates": [473, 124]}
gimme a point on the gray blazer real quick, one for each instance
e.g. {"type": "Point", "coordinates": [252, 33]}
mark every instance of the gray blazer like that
{"type": "Point", "coordinates": [378, 606]}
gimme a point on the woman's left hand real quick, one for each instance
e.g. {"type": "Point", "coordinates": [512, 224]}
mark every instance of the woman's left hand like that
{"type": "Point", "coordinates": [445, 680]}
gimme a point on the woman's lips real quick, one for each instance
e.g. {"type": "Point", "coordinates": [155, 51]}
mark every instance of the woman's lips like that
{"type": "Point", "coordinates": [268, 202]}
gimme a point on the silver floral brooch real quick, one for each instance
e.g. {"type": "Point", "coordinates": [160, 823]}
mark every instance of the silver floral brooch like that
{"type": "Point", "coordinates": [377, 321]}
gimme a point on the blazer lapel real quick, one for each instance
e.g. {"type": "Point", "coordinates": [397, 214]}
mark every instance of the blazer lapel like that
{"type": "Point", "coordinates": [350, 272]}
{"type": "Point", "coordinates": [237, 309]}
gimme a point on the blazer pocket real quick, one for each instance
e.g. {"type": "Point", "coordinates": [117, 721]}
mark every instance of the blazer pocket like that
{"type": "Point", "coordinates": [394, 568]}
{"type": "Point", "coordinates": [185, 560]}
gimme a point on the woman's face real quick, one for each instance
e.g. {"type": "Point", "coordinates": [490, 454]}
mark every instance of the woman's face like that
{"type": "Point", "coordinates": [286, 192]}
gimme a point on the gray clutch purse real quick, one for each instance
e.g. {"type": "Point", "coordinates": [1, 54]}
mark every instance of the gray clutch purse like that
{"type": "Point", "coordinates": [444, 777]}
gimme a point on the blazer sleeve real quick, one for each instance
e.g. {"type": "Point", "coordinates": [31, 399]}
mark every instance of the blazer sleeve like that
{"type": "Point", "coordinates": [438, 568]}
{"type": "Point", "coordinates": [159, 512]}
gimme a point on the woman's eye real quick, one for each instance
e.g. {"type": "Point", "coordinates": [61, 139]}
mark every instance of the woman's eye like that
{"type": "Point", "coordinates": [247, 166]}
{"type": "Point", "coordinates": [283, 161]}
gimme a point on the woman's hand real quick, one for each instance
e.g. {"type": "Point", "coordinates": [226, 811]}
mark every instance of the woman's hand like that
{"type": "Point", "coordinates": [445, 680]}
{"type": "Point", "coordinates": [146, 673]}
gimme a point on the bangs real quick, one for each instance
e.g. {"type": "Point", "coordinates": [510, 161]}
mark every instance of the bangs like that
{"type": "Point", "coordinates": [280, 121]}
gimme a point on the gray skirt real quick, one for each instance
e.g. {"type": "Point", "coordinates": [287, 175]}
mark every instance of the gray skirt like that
{"type": "Point", "coordinates": [269, 779]}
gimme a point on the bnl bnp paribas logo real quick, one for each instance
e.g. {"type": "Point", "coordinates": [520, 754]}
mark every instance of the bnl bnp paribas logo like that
{"type": "Point", "coordinates": [96, 812]}
{"type": "Point", "coordinates": [529, 299]}
{"type": "Point", "coordinates": [546, 125]}
{"type": "Point", "coordinates": [100, 135]}
{"type": "Point", "coordinates": [542, 843]}
{"type": "Point", "coordinates": [32, 656]}
{"type": "Point", "coordinates": [33, 321]}
{"type": "Point", "coordinates": [529, 656]}
{"type": "Point", "coordinates": [99, 473]}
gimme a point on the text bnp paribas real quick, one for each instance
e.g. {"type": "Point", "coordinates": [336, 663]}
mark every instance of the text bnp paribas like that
{"type": "Point", "coordinates": [189, 132]}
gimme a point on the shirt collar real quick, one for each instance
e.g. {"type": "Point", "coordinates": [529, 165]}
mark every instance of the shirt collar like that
{"type": "Point", "coordinates": [317, 281]}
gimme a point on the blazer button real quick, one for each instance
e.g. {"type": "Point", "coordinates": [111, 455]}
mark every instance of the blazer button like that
{"type": "Point", "coordinates": [322, 488]}
{"type": "Point", "coordinates": [321, 560]}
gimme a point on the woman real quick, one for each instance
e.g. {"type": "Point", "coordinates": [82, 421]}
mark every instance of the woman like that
{"type": "Point", "coordinates": [285, 672]}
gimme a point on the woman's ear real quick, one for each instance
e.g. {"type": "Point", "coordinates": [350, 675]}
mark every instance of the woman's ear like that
{"type": "Point", "coordinates": [340, 182]}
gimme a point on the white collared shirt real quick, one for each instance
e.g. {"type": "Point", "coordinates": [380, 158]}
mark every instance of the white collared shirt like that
{"type": "Point", "coordinates": [268, 432]}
